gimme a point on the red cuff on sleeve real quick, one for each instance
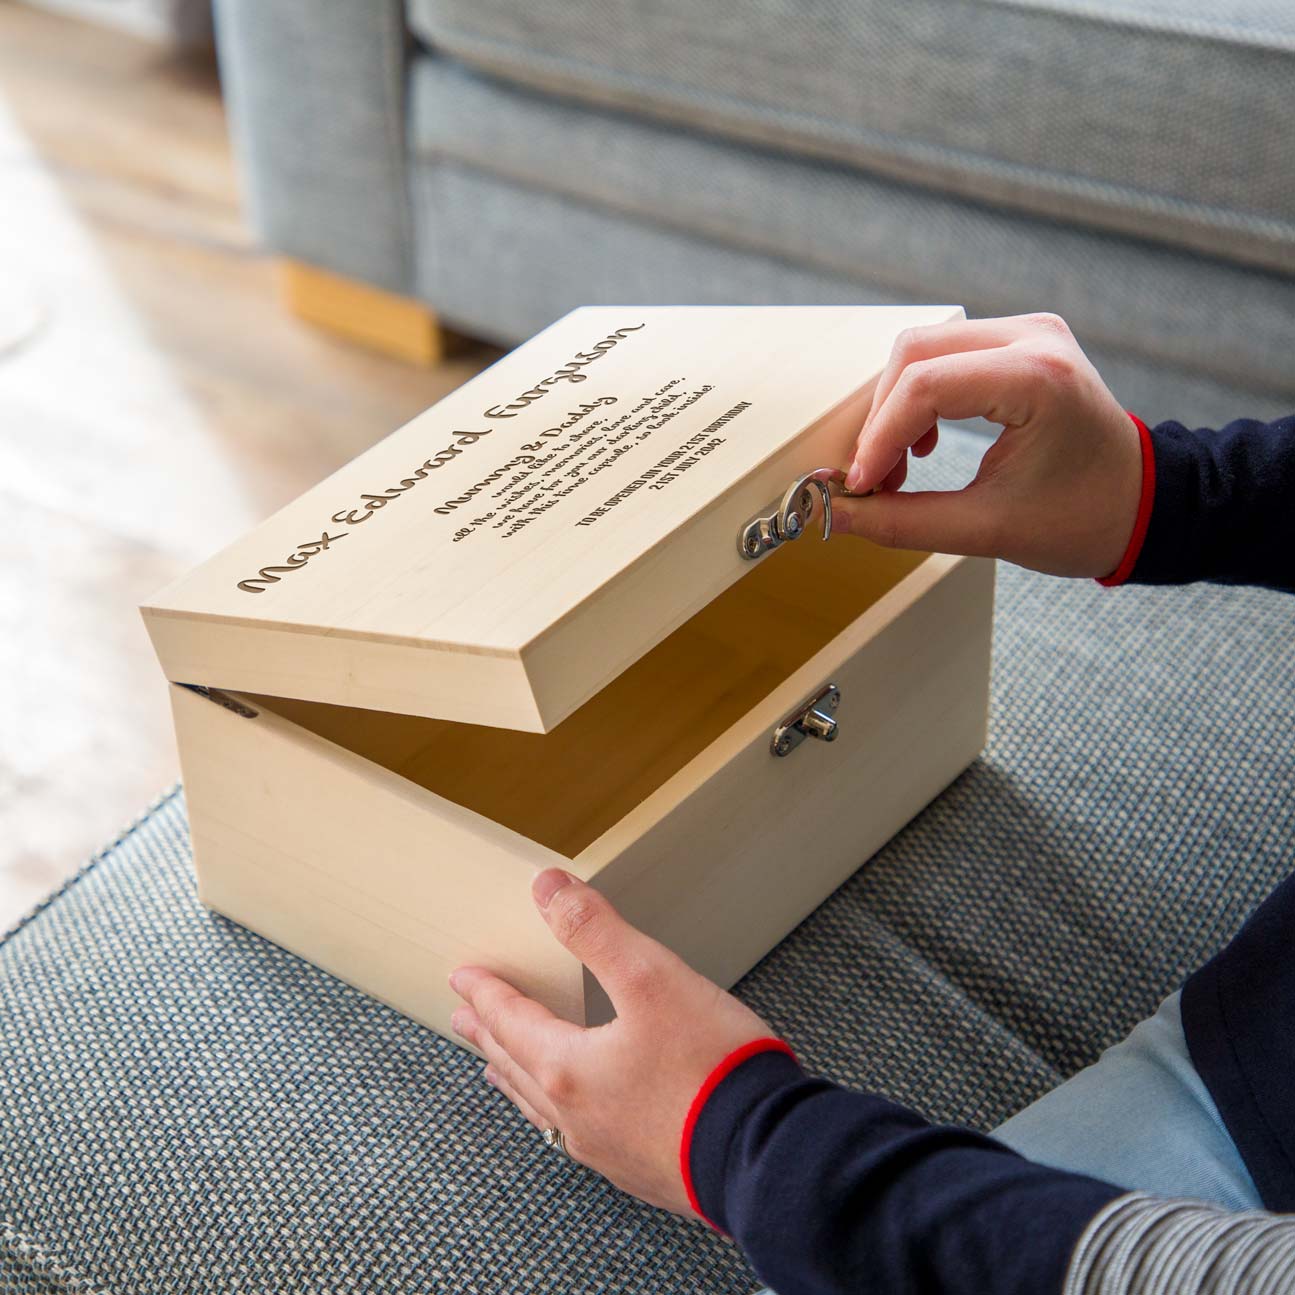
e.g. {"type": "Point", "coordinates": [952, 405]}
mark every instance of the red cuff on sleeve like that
{"type": "Point", "coordinates": [712, 1082]}
{"type": "Point", "coordinates": [1146, 499]}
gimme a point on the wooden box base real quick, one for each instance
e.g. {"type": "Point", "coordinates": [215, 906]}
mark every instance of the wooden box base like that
{"type": "Point", "coordinates": [389, 849]}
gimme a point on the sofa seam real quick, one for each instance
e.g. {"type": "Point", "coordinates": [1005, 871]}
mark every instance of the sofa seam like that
{"type": "Point", "coordinates": [1264, 39]}
{"type": "Point", "coordinates": [888, 152]}
{"type": "Point", "coordinates": [1147, 202]}
{"type": "Point", "coordinates": [924, 964]}
{"type": "Point", "coordinates": [748, 246]}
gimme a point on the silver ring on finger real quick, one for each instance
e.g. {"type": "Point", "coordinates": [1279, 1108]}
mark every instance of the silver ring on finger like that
{"type": "Point", "coordinates": [553, 1138]}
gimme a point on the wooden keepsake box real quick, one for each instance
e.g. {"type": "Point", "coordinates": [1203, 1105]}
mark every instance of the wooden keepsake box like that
{"type": "Point", "coordinates": [577, 613]}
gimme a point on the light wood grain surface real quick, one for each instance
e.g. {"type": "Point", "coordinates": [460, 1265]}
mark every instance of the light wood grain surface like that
{"type": "Point", "coordinates": [163, 404]}
{"type": "Point", "coordinates": [331, 832]}
{"type": "Point", "coordinates": [608, 757]}
{"type": "Point", "coordinates": [511, 551]}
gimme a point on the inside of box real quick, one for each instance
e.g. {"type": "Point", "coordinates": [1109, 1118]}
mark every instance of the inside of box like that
{"type": "Point", "coordinates": [565, 788]}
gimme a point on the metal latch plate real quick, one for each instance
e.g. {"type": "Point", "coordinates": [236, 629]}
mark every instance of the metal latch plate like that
{"type": "Point", "coordinates": [787, 518]}
{"type": "Point", "coordinates": [814, 717]}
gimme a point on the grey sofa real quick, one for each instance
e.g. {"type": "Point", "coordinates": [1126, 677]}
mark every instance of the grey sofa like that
{"type": "Point", "coordinates": [1128, 163]}
{"type": "Point", "coordinates": [186, 1109]}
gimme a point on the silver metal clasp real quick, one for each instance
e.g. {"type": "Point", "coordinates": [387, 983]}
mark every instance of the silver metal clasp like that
{"type": "Point", "coordinates": [788, 518]}
{"type": "Point", "coordinates": [812, 718]}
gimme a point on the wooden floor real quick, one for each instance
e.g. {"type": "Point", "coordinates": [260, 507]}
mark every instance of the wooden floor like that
{"type": "Point", "coordinates": [154, 401]}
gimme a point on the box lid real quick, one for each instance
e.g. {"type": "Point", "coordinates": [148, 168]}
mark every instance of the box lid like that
{"type": "Point", "coordinates": [502, 557]}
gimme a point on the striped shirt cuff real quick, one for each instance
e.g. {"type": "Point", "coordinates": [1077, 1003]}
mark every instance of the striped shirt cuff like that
{"type": "Point", "coordinates": [1148, 1245]}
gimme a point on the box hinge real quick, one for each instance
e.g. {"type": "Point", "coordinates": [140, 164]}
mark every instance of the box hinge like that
{"type": "Point", "coordinates": [814, 717]}
{"type": "Point", "coordinates": [222, 699]}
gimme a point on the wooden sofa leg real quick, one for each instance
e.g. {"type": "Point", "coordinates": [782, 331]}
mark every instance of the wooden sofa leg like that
{"type": "Point", "coordinates": [381, 320]}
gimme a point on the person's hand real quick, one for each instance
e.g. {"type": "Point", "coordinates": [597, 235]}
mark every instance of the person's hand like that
{"type": "Point", "coordinates": [1057, 491]}
{"type": "Point", "coordinates": [620, 1092]}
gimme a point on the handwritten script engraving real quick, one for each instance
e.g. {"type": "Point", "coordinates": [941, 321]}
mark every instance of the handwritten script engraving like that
{"type": "Point", "coordinates": [371, 503]}
{"type": "Point", "coordinates": [298, 558]}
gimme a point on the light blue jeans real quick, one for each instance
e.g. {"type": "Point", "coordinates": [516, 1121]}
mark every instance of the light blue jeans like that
{"type": "Point", "coordinates": [1139, 1117]}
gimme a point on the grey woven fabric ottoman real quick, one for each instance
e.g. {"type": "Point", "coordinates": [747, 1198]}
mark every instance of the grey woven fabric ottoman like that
{"type": "Point", "coordinates": [186, 1108]}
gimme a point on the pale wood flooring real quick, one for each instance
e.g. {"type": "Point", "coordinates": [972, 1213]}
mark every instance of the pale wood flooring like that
{"type": "Point", "coordinates": [161, 403]}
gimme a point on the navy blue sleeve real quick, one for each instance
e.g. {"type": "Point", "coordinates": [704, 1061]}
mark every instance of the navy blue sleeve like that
{"type": "Point", "coordinates": [1224, 506]}
{"type": "Point", "coordinates": [1237, 1014]}
{"type": "Point", "coordinates": [828, 1190]}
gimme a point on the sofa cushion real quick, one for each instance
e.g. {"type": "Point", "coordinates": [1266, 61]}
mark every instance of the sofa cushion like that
{"type": "Point", "coordinates": [1166, 305]}
{"type": "Point", "coordinates": [185, 1106]}
{"type": "Point", "coordinates": [1170, 119]}
{"type": "Point", "coordinates": [501, 260]}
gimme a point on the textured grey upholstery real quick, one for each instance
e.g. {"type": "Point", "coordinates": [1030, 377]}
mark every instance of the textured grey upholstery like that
{"type": "Point", "coordinates": [184, 1107]}
{"type": "Point", "coordinates": [1010, 154]}
{"type": "Point", "coordinates": [315, 94]}
{"type": "Point", "coordinates": [502, 260]}
{"type": "Point", "coordinates": [1169, 119]}
{"type": "Point", "coordinates": [903, 242]}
